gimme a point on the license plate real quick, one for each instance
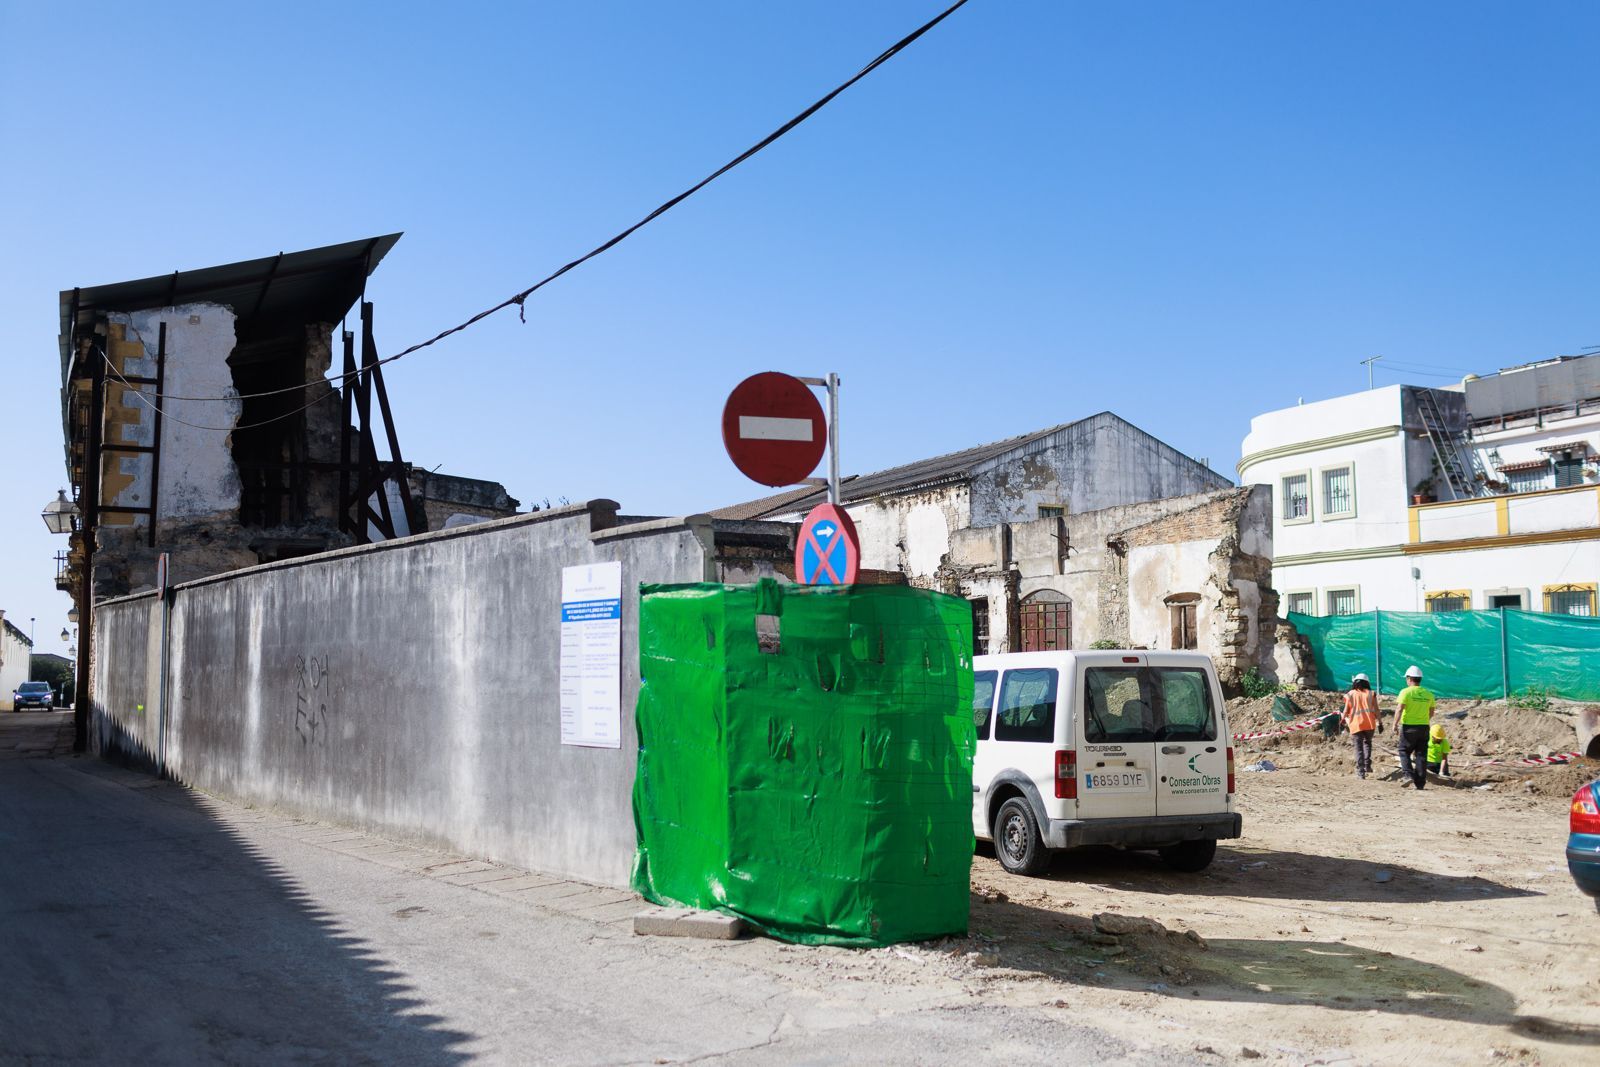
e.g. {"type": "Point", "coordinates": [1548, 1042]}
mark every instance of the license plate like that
{"type": "Point", "coordinates": [1116, 782]}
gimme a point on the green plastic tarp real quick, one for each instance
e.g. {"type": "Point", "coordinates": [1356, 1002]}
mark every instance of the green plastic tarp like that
{"type": "Point", "coordinates": [1462, 654]}
{"type": "Point", "coordinates": [1284, 709]}
{"type": "Point", "coordinates": [805, 758]}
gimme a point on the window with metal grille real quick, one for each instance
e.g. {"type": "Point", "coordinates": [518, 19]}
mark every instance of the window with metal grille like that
{"type": "Point", "coordinates": [980, 625]}
{"type": "Point", "coordinates": [1343, 602]}
{"type": "Point", "coordinates": [1046, 622]}
{"type": "Point", "coordinates": [1338, 492]}
{"type": "Point", "coordinates": [1301, 603]}
{"type": "Point", "coordinates": [1529, 480]}
{"type": "Point", "coordinates": [1448, 601]}
{"type": "Point", "coordinates": [1296, 497]}
{"type": "Point", "coordinates": [1052, 511]}
{"type": "Point", "coordinates": [1569, 600]}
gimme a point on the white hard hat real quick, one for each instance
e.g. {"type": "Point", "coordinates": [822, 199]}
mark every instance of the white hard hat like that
{"type": "Point", "coordinates": [1361, 678]}
{"type": "Point", "coordinates": [1413, 671]}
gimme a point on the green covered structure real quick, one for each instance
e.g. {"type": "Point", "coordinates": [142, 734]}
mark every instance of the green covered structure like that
{"type": "Point", "coordinates": [805, 758]}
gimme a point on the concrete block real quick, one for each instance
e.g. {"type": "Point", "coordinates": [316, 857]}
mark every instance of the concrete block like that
{"type": "Point", "coordinates": [688, 922]}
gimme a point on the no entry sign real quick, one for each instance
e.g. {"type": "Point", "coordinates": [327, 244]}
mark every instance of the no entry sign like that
{"type": "Point", "coordinates": [773, 429]}
{"type": "Point", "coordinates": [827, 551]}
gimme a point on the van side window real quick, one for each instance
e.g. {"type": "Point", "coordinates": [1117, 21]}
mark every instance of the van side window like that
{"type": "Point", "coordinates": [983, 700]}
{"type": "Point", "coordinates": [1186, 706]}
{"type": "Point", "coordinates": [1027, 706]}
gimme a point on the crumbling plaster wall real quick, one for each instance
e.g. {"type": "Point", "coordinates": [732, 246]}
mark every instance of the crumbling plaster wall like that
{"type": "Point", "coordinates": [1221, 550]}
{"type": "Point", "coordinates": [198, 503]}
{"type": "Point", "coordinates": [1119, 566]}
{"type": "Point", "coordinates": [1090, 465]}
{"type": "Point", "coordinates": [199, 484]}
{"type": "Point", "coordinates": [198, 476]}
{"type": "Point", "coordinates": [910, 532]}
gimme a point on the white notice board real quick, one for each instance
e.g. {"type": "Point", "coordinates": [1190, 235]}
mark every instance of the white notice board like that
{"type": "Point", "coordinates": [591, 655]}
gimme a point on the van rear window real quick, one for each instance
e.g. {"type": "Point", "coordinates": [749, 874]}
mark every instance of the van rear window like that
{"type": "Point", "coordinates": [983, 700]}
{"type": "Point", "coordinates": [1129, 705]}
{"type": "Point", "coordinates": [1027, 705]}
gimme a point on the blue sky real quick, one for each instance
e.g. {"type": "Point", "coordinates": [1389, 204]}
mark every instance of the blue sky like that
{"type": "Point", "coordinates": [1185, 213]}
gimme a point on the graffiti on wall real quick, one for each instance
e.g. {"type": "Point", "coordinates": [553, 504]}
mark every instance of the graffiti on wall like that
{"type": "Point", "coordinates": [311, 694]}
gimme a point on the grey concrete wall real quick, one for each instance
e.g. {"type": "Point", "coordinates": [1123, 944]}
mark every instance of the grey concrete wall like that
{"type": "Point", "coordinates": [126, 674]}
{"type": "Point", "coordinates": [1095, 463]}
{"type": "Point", "coordinates": [409, 688]}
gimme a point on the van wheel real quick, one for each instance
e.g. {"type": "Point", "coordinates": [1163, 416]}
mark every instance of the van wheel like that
{"type": "Point", "coordinates": [1189, 856]}
{"type": "Point", "coordinates": [1017, 844]}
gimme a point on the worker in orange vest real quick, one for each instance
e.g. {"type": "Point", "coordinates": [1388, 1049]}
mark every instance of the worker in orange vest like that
{"type": "Point", "coordinates": [1360, 717]}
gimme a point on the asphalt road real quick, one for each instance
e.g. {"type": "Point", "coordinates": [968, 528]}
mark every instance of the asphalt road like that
{"type": "Point", "coordinates": [142, 922]}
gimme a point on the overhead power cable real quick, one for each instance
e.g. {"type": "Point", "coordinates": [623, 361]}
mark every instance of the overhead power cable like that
{"type": "Point", "coordinates": [138, 391]}
{"type": "Point", "coordinates": [518, 299]}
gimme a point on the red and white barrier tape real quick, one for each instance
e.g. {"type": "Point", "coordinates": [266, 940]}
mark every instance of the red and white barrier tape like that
{"type": "Point", "coordinates": [1531, 761]}
{"type": "Point", "coordinates": [1295, 728]}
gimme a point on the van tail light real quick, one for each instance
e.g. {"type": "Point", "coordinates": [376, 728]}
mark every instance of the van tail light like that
{"type": "Point", "coordinates": [1230, 770]}
{"type": "Point", "coordinates": [1066, 774]}
{"type": "Point", "coordinates": [1585, 810]}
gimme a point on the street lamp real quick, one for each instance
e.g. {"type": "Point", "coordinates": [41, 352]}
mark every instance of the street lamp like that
{"type": "Point", "coordinates": [59, 513]}
{"type": "Point", "coordinates": [66, 638]}
{"type": "Point", "coordinates": [72, 616]}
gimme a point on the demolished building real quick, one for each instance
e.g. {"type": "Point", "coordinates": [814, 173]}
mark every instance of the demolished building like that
{"type": "Point", "coordinates": [200, 422]}
{"type": "Point", "coordinates": [1090, 531]}
{"type": "Point", "coordinates": [204, 433]}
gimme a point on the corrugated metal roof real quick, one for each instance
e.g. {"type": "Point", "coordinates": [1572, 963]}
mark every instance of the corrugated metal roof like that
{"type": "Point", "coordinates": [777, 502]}
{"type": "Point", "coordinates": [952, 466]}
{"type": "Point", "coordinates": [949, 467]}
{"type": "Point", "coordinates": [314, 285]}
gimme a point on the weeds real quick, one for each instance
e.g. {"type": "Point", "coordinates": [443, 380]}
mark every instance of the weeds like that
{"type": "Point", "coordinates": [1533, 698]}
{"type": "Point", "coordinates": [1255, 687]}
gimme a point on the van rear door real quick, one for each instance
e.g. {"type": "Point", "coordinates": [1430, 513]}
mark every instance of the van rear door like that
{"type": "Point", "coordinates": [1191, 756]}
{"type": "Point", "coordinates": [1117, 729]}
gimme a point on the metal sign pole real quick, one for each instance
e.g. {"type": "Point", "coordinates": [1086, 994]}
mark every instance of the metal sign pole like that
{"type": "Point", "coordinates": [833, 439]}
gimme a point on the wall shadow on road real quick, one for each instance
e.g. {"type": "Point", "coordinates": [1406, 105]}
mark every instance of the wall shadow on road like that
{"type": "Point", "coordinates": [1276, 971]}
{"type": "Point", "coordinates": [168, 935]}
{"type": "Point", "coordinates": [1277, 874]}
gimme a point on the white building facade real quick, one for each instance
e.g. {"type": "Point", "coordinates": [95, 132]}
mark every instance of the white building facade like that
{"type": "Point", "coordinates": [1478, 496]}
{"type": "Point", "coordinates": [16, 650]}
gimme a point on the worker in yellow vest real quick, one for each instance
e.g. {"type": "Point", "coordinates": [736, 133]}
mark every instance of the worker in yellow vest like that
{"type": "Point", "coordinates": [1438, 751]}
{"type": "Point", "coordinates": [1414, 707]}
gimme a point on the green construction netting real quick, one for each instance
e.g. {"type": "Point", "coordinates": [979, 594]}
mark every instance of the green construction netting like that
{"type": "Point", "coordinates": [805, 758]}
{"type": "Point", "coordinates": [1463, 654]}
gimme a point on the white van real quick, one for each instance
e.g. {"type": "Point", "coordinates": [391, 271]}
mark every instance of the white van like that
{"type": "Point", "coordinates": [1124, 748]}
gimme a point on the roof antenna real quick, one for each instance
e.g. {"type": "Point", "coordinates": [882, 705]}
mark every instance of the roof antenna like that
{"type": "Point", "coordinates": [1368, 364]}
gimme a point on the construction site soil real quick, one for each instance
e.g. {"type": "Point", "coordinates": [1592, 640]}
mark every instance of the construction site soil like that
{"type": "Point", "coordinates": [1356, 921]}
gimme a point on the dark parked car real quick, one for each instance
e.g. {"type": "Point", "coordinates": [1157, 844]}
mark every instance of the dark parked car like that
{"type": "Point", "coordinates": [32, 695]}
{"type": "Point", "coordinates": [1583, 847]}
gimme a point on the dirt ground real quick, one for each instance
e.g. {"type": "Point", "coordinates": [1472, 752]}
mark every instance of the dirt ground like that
{"type": "Point", "coordinates": [1355, 922]}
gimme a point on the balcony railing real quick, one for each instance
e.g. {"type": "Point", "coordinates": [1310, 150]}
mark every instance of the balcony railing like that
{"type": "Point", "coordinates": [1568, 514]}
